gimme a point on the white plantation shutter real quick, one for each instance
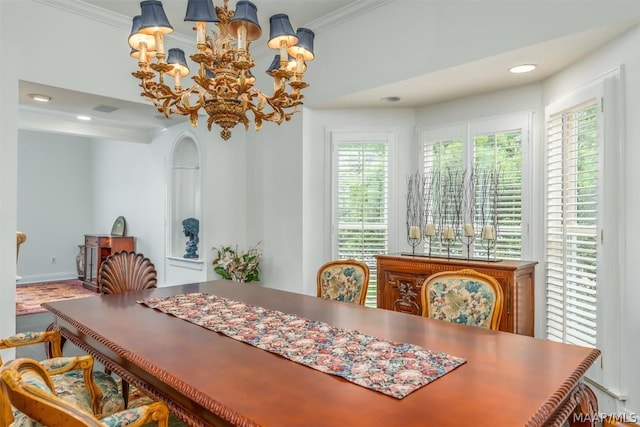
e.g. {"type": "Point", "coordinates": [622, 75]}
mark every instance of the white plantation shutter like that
{"type": "Point", "coordinates": [492, 144]}
{"type": "Point", "coordinates": [572, 223]}
{"type": "Point", "coordinates": [361, 200]}
{"type": "Point", "coordinates": [443, 155]}
{"type": "Point", "coordinates": [502, 152]}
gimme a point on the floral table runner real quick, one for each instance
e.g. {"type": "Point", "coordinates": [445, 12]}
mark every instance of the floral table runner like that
{"type": "Point", "coordinates": [392, 368]}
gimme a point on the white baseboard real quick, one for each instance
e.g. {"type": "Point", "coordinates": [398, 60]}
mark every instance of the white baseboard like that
{"type": "Point", "coordinates": [37, 278]}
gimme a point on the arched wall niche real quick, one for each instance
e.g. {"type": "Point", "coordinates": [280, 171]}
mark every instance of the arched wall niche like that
{"type": "Point", "coordinates": [185, 197]}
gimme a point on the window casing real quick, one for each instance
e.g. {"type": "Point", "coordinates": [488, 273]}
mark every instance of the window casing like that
{"type": "Point", "coordinates": [361, 199]}
{"type": "Point", "coordinates": [583, 216]}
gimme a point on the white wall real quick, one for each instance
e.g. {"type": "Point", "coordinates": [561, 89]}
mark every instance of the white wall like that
{"type": "Point", "coordinates": [8, 178]}
{"type": "Point", "coordinates": [275, 201]}
{"type": "Point", "coordinates": [55, 203]}
{"type": "Point", "coordinates": [316, 176]}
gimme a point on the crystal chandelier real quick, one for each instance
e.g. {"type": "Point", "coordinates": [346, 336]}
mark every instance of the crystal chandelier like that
{"type": "Point", "coordinates": [223, 86]}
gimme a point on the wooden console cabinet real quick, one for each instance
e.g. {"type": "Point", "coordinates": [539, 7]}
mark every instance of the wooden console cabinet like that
{"type": "Point", "coordinates": [400, 279]}
{"type": "Point", "coordinates": [97, 249]}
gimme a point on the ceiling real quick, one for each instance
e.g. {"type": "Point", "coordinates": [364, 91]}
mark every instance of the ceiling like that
{"type": "Point", "coordinates": [139, 120]}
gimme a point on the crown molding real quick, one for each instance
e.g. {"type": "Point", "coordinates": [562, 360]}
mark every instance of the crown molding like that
{"type": "Point", "coordinates": [99, 14]}
{"type": "Point", "coordinates": [96, 13]}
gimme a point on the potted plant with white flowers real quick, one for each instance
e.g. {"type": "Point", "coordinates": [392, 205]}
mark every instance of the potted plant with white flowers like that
{"type": "Point", "coordinates": [238, 265]}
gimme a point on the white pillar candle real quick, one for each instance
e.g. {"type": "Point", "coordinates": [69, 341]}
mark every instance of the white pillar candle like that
{"type": "Point", "coordinates": [449, 234]}
{"type": "Point", "coordinates": [430, 230]}
{"type": "Point", "coordinates": [469, 231]}
{"type": "Point", "coordinates": [488, 232]}
{"type": "Point", "coordinates": [414, 232]}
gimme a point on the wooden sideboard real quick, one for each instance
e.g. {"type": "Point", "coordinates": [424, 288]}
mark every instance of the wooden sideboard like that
{"type": "Point", "coordinates": [96, 249]}
{"type": "Point", "coordinates": [400, 279]}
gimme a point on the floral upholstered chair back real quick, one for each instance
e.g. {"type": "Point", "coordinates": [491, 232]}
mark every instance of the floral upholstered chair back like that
{"type": "Point", "coordinates": [463, 296]}
{"type": "Point", "coordinates": [344, 280]}
{"type": "Point", "coordinates": [30, 389]}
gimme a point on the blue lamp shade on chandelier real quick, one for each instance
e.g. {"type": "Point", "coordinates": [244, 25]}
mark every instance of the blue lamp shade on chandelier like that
{"type": "Point", "coordinates": [291, 65]}
{"type": "Point", "coordinates": [246, 15]}
{"type": "Point", "coordinates": [201, 11]}
{"type": "Point", "coordinates": [176, 58]}
{"type": "Point", "coordinates": [281, 30]}
{"type": "Point", "coordinates": [154, 19]}
{"type": "Point", "coordinates": [304, 46]}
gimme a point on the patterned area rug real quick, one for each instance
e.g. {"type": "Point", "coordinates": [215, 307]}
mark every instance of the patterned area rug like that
{"type": "Point", "coordinates": [29, 297]}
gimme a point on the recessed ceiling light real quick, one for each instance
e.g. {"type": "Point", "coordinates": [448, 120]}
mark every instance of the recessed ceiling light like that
{"type": "Point", "coordinates": [390, 99]}
{"type": "Point", "coordinates": [524, 68]}
{"type": "Point", "coordinates": [39, 97]}
{"type": "Point", "coordinates": [85, 118]}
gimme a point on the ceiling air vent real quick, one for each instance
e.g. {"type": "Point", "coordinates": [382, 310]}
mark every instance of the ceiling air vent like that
{"type": "Point", "coordinates": [105, 109]}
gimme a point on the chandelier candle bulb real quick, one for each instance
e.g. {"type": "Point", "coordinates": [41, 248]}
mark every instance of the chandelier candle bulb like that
{"type": "Point", "coordinates": [429, 230]}
{"type": "Point", "coordinates": [242, 38]}
{"type": "Point", "coordinates": [469, 231]}
{"type": "Point", "coordinates": [201, 31]}
{"type": "Point", "coordinates": [488, 232]}
{"type": "Point", "coordinates": [414, 232]}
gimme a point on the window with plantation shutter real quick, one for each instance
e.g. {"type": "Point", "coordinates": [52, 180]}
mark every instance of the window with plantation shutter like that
{"type": "Point", "coordinates": [361, 199]}
{"type": "Point", "coordinates": [442, 158]}
{"type": "Point", "coordinates": [572, 158]}
{"type": "Point", "coordinates": [475, 149]}
{"type": "Point", "coordinates": [502, 152]}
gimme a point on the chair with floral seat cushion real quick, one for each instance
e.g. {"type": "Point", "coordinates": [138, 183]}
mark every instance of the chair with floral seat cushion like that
{"type": "Point", "coordinates": [68, 376]}
{"type": "Point", "coordinates": [344, 280]}
{"type": "Point", "coordinates": [463, 296]}
{"type": "Point", "coordinates": [30, 389]}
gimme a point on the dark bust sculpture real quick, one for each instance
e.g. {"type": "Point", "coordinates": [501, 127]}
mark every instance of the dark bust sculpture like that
{"type": "Point", "coordinates": [191, 227]}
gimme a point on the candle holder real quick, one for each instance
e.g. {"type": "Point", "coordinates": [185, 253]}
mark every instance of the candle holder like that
{"type": "Point", "coordinates": [429, 238]}
{"type": "Point", "coordinates": [469, 236]}
{"type": "Point", "coordinates": [488, 236]}
{"type": "Point", "coordinates": [413, 242]}
{"type": "Point", "coordinates": [468, 241]}
{"type": "Point", "coordinates": [429, 233]}
{"type": "Point", "coordinates": [414, 237]}
{"type": "Point", "coordinates": [490, 244]}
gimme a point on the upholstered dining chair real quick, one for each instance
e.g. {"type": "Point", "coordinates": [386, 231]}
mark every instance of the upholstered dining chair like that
{"type": "Point", "coordinates": [30, 389]}
{"type": "Point", "coordinates": [67, 375]}
{"type": "Point", "coordinates": [344, 280]}
{"type": "Point", "coordinates": [464, 296]}
{"type": "Point", "coordinates": [126, 271]}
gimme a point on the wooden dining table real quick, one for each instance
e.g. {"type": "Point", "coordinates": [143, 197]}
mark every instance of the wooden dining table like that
{"type": "Point", "coordinates": [207, 378]}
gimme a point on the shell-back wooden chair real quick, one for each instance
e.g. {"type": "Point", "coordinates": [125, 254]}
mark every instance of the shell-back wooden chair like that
{"type": "Point", "coordinates": [464, 296]}
{"type": "Point", "coordinates": [126, 271]}
{"type": "Point", "coordinates": [68, 377]}
{"type": "Point", "coordinates": [31, 390]}
{"type": "Point", "coordinates": [344, 280]}
{"type": "Point", "coordinates": [122, 272]}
